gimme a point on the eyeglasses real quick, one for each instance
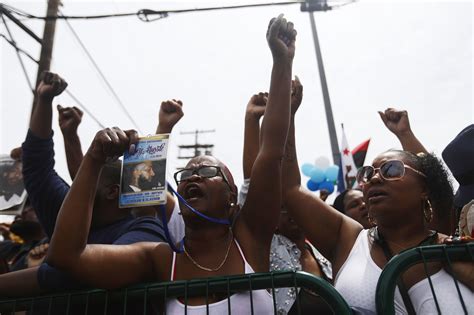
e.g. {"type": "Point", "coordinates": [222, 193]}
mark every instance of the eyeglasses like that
{"type": "Point", "coordinates": [206, 171]}
{"type": "Point", "coordinates": [389, 170]}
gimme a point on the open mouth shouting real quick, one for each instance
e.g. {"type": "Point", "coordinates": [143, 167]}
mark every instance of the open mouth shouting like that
{"type": "Point", "coordinates": [192, 192]}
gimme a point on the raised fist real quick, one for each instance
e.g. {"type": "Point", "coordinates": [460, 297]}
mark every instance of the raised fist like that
{"type": "Point", "coordinates": [256, 105]}
{"type": "Point", "coordinates": [296, 94]}
{"type": "Point", "coordinates": [171, 112]}
{"type": "Point", "coordinates": [69, 119]}
{"type": "Point", "coordinates": [281, 38]}
{"type": "Point", "coordinates": [110, 143]}
{"type": "Point", "coordinates": [50, 85]}
{"type": "Point", "coordinates": [396, 121]}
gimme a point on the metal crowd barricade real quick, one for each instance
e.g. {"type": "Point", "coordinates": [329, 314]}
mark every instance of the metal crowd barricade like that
{"type": "Point", "coordinates": [447, 254]}
{"type": "Point", "coordinates": [147, 298]}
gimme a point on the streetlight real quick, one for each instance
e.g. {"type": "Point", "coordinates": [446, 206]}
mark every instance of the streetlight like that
{"type": "Point", "coordinates": [321, 5]}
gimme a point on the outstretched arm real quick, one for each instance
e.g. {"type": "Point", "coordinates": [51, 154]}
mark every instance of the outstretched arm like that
{"type": "Point", "coordinates": [45, 188]}
{"type": "Point", "coordinates": [20, 283]}
{"type": "Point", "coordinates": [69, 119]}
{"type": "Point", "coordinates": [329, 230]}
{"type": "Point", "coordinates": [262, 206]}
{"type": "Point", "coordinates": [398, 123]}
{"type": "Point", "coordinates": [292, 178]}
{"type": "Point", "coordinates": [255, 110]}
{"type": "Point", "coordinates": [68, 250]}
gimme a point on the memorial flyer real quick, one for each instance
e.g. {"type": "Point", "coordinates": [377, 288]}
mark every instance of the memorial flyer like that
{"type": "Point", "coordinates": [12, 189]}
{"type": "Point", "coordinates": [143, 181]}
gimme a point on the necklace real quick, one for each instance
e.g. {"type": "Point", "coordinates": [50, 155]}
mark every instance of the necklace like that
{"type": "Point", "coordinates": [231, 238]}
{"type": "Point", "coordinates": [384, 244]}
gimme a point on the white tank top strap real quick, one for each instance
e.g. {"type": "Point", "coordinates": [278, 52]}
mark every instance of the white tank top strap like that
{"type": "Point", "coordinates": [262, 299]}
{"type": "Point", "coordinates": [240, 250]}
{"type": "Point", "coordinates": [173, 266]}
{"type": "Point", "coordinates": [247, 267]}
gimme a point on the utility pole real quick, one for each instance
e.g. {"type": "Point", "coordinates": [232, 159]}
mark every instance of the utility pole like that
{"type": "Point", "coordinates": [196, 147]}
{"type": "Point", "coordinates": [321, 5]}
{"type": "Point", "coordinates": [48, 38]}
{"type": "Point", "coordinates": [48, 41]}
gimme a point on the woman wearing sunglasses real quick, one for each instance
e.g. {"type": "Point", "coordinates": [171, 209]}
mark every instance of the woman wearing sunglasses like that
{"type": "Point", "coordinates": [221, 240]}
{"type": "Point", "coordinates": [398, 123]}
{"type": "Point", "coordinates": [399, 189]}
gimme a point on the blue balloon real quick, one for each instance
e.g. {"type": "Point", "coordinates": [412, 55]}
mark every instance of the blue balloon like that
{"type": "Point", "coordinates": [332, 172]}
{"type": "Point", "coordinates": [317, 175]}
{"type": "Point", "coordinates": [329, 186]}
{"type": "Point", "coordinates": [312, 185]}
{"type": "Point", "coordinates": [306, 168]}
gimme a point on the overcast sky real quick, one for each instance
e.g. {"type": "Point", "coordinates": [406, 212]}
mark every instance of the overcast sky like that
{"type": "Point", "coordinates": [414, 55]}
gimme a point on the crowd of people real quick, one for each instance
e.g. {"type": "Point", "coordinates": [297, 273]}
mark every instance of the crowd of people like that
{"type": "Point", "coordinates": [79, 237]}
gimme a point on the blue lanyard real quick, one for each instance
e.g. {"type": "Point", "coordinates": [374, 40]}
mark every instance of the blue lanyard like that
{"type": "Point", "coordinates": [165, 223]}
{"type": "Point", "coordinates": [167, 233]}
{"type": "Point", "coordinates": [210, 219]}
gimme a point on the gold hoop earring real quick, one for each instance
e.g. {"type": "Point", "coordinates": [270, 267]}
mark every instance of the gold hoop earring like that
{"type": "Point", "coordinates": [428, 211]}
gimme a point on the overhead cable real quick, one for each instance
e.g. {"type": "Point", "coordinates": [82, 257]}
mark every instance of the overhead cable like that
{"type": "Point", "coordinates": [5, 10]}
{"type": "Point", "coordinates": [144, 13]}
{"type": "Point", "coordinates": [68, 92]}
{"type": "Point", "coordinates": [101, 74]}
{"type": "Point", "coordinates": [19, 56]}
{"type": "Point", "coordinates": [19, 49]}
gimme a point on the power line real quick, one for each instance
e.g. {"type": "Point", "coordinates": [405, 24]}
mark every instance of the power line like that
{"type": "Point", "coordinates": [14, 10]}
{"type": "Point", "coordinates": [20, 20]}
{"type": "Point", "coordinates": [101, 74]}
{"type": "Point", "coordinates": [18, 55]}
{"type": "Point", "coordinates": [144, 13]}
{"type": "Point", "coordinates": [19, 49]}
{"type": "Point", "coordinates": [67, 91]}
{"type": "Point", "coordinates": [8, 13]}
{"type": "Point", "coordinates": [84, 108]}
{"type": "Point", "coordinates": [343, 4]}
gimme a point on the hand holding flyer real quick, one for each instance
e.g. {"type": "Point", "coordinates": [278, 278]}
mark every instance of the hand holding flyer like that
{"type": "Point", "coordinates": [143, 181]}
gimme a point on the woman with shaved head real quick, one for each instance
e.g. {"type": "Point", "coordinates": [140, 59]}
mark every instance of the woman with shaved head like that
{"type": "Point", "coordinates": [220, 238]}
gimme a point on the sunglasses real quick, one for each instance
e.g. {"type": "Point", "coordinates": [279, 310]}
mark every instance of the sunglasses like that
{"type": "Point", "coordinates": [389, 170]}
{"type": "Point", "coordinates": [205, 171]}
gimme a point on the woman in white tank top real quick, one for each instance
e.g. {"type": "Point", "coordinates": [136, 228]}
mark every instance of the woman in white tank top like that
{"type": "Point", "coordinates": [403, 192]}
{"type": "Point", "coordinates": [239, 303]}
{"type": "Point", "coordinates": [228, 241]}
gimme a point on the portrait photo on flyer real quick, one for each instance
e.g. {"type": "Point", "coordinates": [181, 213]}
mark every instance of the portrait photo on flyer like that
{"type": "Point", "coordinates": [12, 188]}
{"type": "Point", "coordinates": [143, 180]}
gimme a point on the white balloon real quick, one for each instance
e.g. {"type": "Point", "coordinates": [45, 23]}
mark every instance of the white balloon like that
{"type": "Point", "coordinates": [322, 162]}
